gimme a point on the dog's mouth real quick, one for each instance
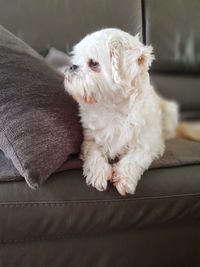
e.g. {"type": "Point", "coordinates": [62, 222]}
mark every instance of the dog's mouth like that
{"type": "Point", "coordinates": [89, 99]}
{"type": "Point", "coordinates": [68, 78]}
{"type": "Point", "coordinates": [81, 97]}
{"type": "Point", "coordinates": [85, 99]}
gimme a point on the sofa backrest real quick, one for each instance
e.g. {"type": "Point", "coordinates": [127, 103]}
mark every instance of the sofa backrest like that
{"type": "Point", "coordinates": [172, 27]}
{"type": "Point", "coordinates": [61, 23]}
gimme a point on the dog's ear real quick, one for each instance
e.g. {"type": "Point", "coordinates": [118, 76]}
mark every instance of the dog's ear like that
{"type": "Point", "coordinates": [114, 48]}
{"type": "Point", "coordinates": [146, 57]}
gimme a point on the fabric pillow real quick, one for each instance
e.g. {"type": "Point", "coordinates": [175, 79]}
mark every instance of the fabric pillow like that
{"type": "Point", "coordinates": [39, 123]}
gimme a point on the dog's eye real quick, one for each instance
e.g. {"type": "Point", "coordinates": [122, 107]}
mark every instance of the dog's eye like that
{"type": "Point", "coordinates": [93, 65]}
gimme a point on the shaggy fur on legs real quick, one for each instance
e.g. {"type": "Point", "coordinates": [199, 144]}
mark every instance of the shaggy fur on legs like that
{"type": "Point", "coordinates": [121, 114]}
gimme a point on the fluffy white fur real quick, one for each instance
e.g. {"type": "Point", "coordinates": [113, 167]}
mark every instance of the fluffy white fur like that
{"type": "Point", "coordinates": [121, 114]}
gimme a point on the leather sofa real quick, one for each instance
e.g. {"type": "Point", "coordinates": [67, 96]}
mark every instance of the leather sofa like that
{"type": "Point", "coordinates": [66, 223]}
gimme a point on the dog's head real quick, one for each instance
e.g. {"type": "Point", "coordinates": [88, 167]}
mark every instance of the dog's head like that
{"type": "Point", "coordinates": [106, 65]}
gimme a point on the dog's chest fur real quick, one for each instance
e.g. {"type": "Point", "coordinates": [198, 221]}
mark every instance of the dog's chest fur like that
{"type": "Point", "coordinates": [110, 127]}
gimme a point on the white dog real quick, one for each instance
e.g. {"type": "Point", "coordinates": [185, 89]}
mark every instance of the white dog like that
{"type": "Point", "coordinates": [122, 116]}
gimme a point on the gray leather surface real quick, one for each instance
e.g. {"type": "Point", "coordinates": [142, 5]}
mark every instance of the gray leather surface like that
{"type": "Point", "coordinates": [57, 23]}
{"type": "Point", "coordinates": [184, 89]}
{"type": "Point", "coordinates": [65, 205]}
{"type": "Point", "coordinates": [152, 247]}
{"type": "Point", "coordinates": [173, 29]}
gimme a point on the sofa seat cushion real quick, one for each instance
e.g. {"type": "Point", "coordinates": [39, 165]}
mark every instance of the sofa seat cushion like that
{"type": "Point", "coordinates": [66, 206]}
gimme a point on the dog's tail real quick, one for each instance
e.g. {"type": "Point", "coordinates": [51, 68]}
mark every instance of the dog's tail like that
{"type": "Point", "coordinates": [172, 127]}
{"type": "Point", "coordinates": [189, 130]}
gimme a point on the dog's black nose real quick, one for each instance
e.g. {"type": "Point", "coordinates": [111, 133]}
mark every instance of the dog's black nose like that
{"type": "Point", "coordinates": [73, 67]}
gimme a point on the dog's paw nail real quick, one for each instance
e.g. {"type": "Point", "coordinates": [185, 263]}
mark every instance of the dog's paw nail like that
{"type": "Point", "coordinates": [100, 184]}
{"type": "Point", "coordinates": [122, 186]}
{"type": "Point", "coordinates": [98, 176]}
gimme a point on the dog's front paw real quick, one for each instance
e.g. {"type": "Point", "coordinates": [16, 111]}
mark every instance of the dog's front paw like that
{"type": "Point", "coordinates": [124, 179]}
{"type": "Point", "coordinates": [97, 173]}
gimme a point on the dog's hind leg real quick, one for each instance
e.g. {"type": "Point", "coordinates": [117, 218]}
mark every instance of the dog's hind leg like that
{"type": "Point", "coordinates": [170, 117]}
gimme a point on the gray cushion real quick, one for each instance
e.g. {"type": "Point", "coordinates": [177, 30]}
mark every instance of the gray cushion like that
{"type": "Point", "coordinates": [39, 125]}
